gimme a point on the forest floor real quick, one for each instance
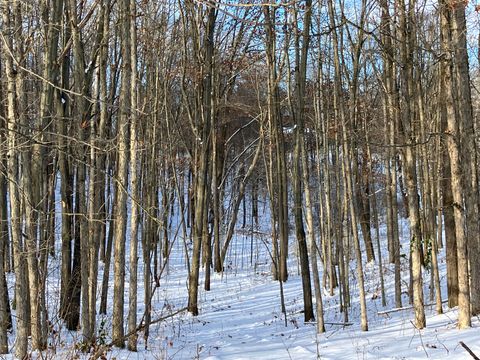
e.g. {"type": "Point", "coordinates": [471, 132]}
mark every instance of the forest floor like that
{"type": "Point", "coordinates": [241, 318]}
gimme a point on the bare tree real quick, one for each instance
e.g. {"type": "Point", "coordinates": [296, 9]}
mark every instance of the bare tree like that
{"type": "Point", "coordinates": [134, 184]}
{"type": "Point", "coordinates": [12, 32]}
{"type": "Point", "coordinates": [122, 176]}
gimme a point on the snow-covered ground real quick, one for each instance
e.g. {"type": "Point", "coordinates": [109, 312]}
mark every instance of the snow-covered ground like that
{"type": "Point", "coordinates": [240, 318]}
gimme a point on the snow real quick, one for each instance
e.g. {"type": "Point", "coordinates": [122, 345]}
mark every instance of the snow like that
{"type": "Point", "coordinates": [240, 318]}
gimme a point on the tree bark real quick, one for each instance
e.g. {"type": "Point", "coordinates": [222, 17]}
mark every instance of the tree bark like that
{"type": "Point", "coordinates": [468, 149]}
{"type": "Point", "coordinates": [406, 55]}
{"type": "Point", "coordinates": [14, 81]}
{"type": "Point", "coordinates": [120, 218]}
{"type": "Point", "coordinates": [134, 183]}
{"type": "Point", "coordinates": [454, 151]}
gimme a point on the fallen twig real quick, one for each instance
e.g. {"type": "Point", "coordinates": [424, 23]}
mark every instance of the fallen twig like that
{"type": "Point", "coordinates": [331, 323]}
{"type": "Point", "coordinates": [386, 312]}
{"type": "Point", "coordinates": [472, 354]}
{"type": "Point", "coordinates": [420, 334]}
{"type": "Point", "coordinates": [142, 326]}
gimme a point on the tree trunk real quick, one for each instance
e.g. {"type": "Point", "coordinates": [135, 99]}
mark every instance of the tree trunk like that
{"type": "Point", "coordinates": [14, 82]}
{"type": "Point", "coordinates": [273, 104]}
{"type": "Point", "coordinates": [120, 219]}
{"type": "Point", "coordinates": [203, 149]}
{"type": "Point", "coordinates": [301, 53]}
{"type": "Point", "coordinates": [134, 184]}
{"type": "Point", "coordinates": [450, 233]}
{"type": "Point", "coordinates": [409, 159]}
{"type": "Point", "coordinates": [3, 282]}
{"type": "Point", "coordinates": [469, 150]}
{"type": "Point", "coordinates": [346, 166]}
{"type": "Point", "coordinates": [453, 147]}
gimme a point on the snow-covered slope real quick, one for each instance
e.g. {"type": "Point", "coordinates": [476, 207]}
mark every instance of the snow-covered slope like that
{"type": "Point", "coordinates": [240, 318]}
